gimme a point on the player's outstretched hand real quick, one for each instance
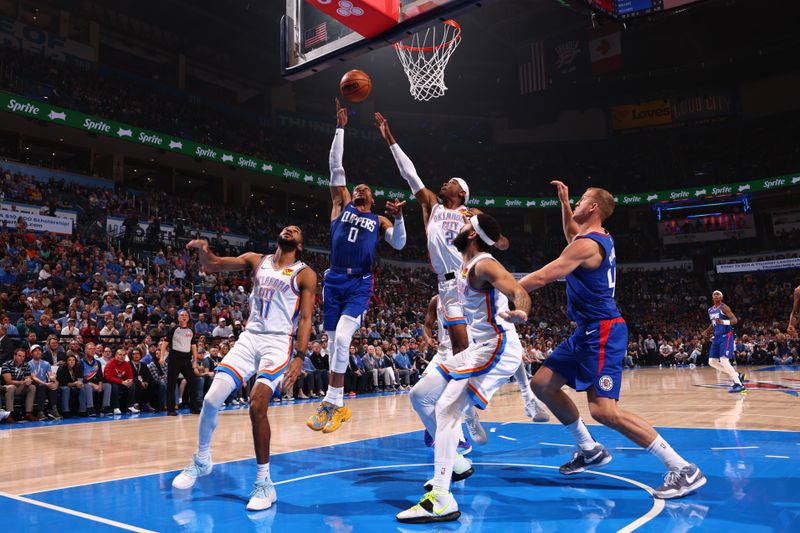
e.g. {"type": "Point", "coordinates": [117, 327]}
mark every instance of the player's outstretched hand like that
{"type": "Point", "coordinates": [341, 115]}
{"type": "Point", "coordinates": [198, 244]}
{"type": "Point", "coordinates": [515, 317]}
{"type": "Point", "coordinates": [383, 125]}
{"type": "Point", "coordinates": [291, 374]}
{"type": "Point", "coordinates": [563, 191]}
{"type": "Point", "coordinates": [394, 208]}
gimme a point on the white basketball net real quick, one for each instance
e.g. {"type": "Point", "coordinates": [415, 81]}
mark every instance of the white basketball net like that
{"type": "Point", "coordinates": [424, 57]}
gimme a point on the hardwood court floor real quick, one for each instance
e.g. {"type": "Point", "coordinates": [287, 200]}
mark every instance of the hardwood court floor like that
{"type": "Point", "coordinates": [46, 456]}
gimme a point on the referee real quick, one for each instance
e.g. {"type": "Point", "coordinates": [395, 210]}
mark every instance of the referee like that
{"type": "Point", "coordinates": [181, 347]}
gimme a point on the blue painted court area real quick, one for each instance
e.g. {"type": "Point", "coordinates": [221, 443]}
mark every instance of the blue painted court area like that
{"type": "Point", "coordinates": [753, 480]}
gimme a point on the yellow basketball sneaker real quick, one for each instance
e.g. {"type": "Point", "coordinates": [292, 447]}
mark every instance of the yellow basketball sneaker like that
{"type": "Point", "coordinates": [339, 415]}
{"type": "Point", "coordinates": [320, 419]}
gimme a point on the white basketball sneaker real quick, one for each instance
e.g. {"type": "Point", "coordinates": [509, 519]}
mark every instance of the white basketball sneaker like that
{"type": "Point", "coordinates": [197, 468]}
{"type": "Point", "coordinates": [263, 496]}
{"type": "Point", "coordinates": [536, 410]}
{"type": "Point", "coordinates": [462, 469]}
{"type": "Point", "coordinates": [474, 427]}
{"type": "Point", "coordinates": [435, 506]}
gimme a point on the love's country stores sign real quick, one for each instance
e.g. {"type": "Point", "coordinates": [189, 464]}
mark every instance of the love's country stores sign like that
{"type": "Point", "coordinates": [19, 105]}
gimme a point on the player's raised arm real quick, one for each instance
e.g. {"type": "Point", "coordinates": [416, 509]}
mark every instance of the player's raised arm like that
{"type": "Point", "coordinates": [395, 234]}
{"type": "Point", "coordinates": [574, 255]}
{"type": "Point", "coordinates": [493, 273]}
{"type": "Point", "coordinates": [794, 316]}
{"type": "Point", "coordinates": [340, 196]}
{"type": "Point", "coordinates": [425, 197]}
{"type": "Point", "coordinates": [307, 283]}
{"type": "Point", "coordinates": [213, 263]}
{"type": "Point", "coordinates": [570, 226]}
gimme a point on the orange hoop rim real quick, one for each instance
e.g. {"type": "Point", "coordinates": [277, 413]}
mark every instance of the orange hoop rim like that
{"type": "Point", "coordinates": [448, 22]}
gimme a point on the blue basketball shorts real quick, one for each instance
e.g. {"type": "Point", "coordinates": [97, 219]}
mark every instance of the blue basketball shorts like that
{"type": "Point", "coordinates": [592, 357]}
{"type": "Point", "coordinates": [344, 294]}
{"type": "Point", "coordinates": [722, 346]}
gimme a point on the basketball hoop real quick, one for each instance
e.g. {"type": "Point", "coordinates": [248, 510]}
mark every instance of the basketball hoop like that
{"type": "Point", "coordinates": [425, 58]}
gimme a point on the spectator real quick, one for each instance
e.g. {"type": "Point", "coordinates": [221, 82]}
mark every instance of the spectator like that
{"type": "Point", "coordinates": [356, 380]}
{"type": "Point", "coordinates": [142, 383]}
{"type": "Point", "coordinates": [403, 366]}
{"type": "Point", "coordinates": [222, 330]}
{"type": "Point", "coordinates": [44, 379]}
{"type": "Point", "coordinates": [158, 371]}
{"type": "Point", "coordinates": [18, 382]}
{"type": "Point", "coordinates": [6, 345]}
{"type": "Point", "coordinates": [119, 374]}
{"type": "Point", "coordinates": [95, 390]}
{"type": "Point", "coordinates": [70, 330]}
{"type": "Point", "coordinates": [70, 381]}
{"type": "Point", "coordinates": [321, 366]}
{"type": "Point", "coordinates": [201, 326]}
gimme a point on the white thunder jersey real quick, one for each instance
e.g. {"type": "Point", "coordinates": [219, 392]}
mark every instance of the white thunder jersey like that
{"type": "Point", "coordinates": [443, 226]}
{"type": "Point", "coordinates": [481, 307]}
{"type": "Point", "coordinates": [275, 300]}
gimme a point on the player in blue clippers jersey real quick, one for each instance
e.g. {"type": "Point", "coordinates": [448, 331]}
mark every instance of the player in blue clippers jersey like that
{"type": "Point", "coordinates": [355, 232]}
{"type": "Point", "coordinates": [591, 359]}
{"type": "Point", "coordinates": [721, 352]}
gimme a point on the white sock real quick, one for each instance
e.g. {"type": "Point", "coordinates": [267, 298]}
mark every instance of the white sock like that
{"type": "Point", "coordinates": [262, 472]}
{"type": "Point", "coordinates": [661, 449]}
{"type": "Point", "coordinates": [222, 386]}
{"type": "Point", "coordinates": [524, 385]}
{"type": "Point", "coordinates": [335, 395]}
{"type": "Point", "coordinates": [449, 411]}
{"type": "Point", "coordinates": [581, 433]}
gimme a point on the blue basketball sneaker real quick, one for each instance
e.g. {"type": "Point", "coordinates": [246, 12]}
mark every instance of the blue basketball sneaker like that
{"type": "Point", "coordinates": [464, 447]}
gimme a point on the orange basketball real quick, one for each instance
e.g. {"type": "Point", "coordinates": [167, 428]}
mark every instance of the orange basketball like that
{"type": "Point", "coordinates": [355, 85]}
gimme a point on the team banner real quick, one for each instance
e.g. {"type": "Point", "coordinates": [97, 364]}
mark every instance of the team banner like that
{"type": "Point", "coordinates": [36, 222]}
{"type": "Point", "coordinates": [15, 34]}
{"type": "Point", "coordinates": [644, 115]}
{"type": "Point", "coordinates": [776, 264]}
{"type": "Point", "coordinates": [22, 106]}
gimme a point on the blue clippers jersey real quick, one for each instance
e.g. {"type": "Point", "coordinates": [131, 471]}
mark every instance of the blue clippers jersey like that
{"type": "Point", "coordinates": [590, 293]}
{"type": "Point", "coordinates": [354, 237]}
{"type": "Point", "coordinates": [714, 313]}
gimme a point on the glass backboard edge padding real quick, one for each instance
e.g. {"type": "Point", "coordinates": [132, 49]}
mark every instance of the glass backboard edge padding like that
{"type": "Point", "coordinates": [352, 46]}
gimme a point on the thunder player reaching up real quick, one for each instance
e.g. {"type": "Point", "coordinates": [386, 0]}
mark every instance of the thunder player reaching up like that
{"type": "Point", "coordinates": [281, 304]}
{"type": "Point", "coordinates": [355, 232]}
{"type": "Point", "coordinates": [794, 316]}
{"type": "Point", "coordinates": [443, 222]}
{"type": "Point", "coordinates": [722, 320]}
{"type": "Point", "coordinates": [591, 359]}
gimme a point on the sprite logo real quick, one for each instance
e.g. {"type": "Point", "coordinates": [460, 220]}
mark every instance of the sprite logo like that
{"type": "Point", "coordinates": [396, 194]}
{"type": "Point", "coordinates": [513, 203]}
{"type": "Point", "coordinates": [769, 184]}
{"type": "Point", "coordinates": [247, 163]}
{"type": "Point", "coordinates": [722, 190]}
{"type": "Point", "coordinates": [631, 199]}
{"type": "Point", "coordinates": [678, 194]}
{"type": "Point", "coordinates": [549, 203]}
{"type": "Point", "coordinates": [15, 107]}
{"type": "Point", "coordinates": [291, 174]}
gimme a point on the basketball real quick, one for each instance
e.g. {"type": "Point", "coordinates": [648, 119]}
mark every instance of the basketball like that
{"type": "Point", "coordinates": [355, 86]}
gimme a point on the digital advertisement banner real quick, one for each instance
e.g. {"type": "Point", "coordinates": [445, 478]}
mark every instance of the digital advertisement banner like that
{"type": "Point", "coordinates": [37, 222]}
{"type": "Point", "coordinates": [26, 107]}
{"type": "Point", "coordinates": [776, 264]}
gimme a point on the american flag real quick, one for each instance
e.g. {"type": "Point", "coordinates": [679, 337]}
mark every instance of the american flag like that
{"type": "Point", "coordinates": [533, 70]}
{"type": "Point", "coordinates": [317, 34]}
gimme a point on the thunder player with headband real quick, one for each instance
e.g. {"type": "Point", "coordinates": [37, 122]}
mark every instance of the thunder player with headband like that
{"type": "Point", "coordinates": [355, 232]}
{"type": "Point", "coordinates": [281, 306]}
{"type": "Point", "coordinates": [591, 359]}
{"type": "Point", "coordinates": [722, 345]}
{"type": "Point", "coordinates": [443, 222]}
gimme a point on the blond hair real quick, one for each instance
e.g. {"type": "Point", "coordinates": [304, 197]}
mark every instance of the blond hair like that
{"type": "Point", "coordinates": [604, 199]}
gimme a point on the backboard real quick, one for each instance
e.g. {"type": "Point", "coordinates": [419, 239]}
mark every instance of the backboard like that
{"type": "Point", "coordinates": [311, 40]}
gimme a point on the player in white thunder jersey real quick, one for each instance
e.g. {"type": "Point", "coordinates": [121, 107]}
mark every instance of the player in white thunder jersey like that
{"type": "Point", "coordinates": [281, 307]}
{"type": "Point", "coordinates": [471, 377]}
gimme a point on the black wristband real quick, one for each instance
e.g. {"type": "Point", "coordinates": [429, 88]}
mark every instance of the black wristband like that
{"type": "Point", "coordinates": [300, 355]}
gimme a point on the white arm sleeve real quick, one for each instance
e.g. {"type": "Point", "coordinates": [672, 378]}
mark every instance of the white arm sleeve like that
{"type": "Point", "coordinates": [396, 235]}
{"type": "Point", "coordinates": [335, 159]}
{"type": "Point", "coordinates": [407, 169]}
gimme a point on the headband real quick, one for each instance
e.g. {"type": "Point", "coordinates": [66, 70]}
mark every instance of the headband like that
{"type": "Point", "coordinates": [717, 292]}
{"type": "Point", "coordinates": [465, 188]}
{"type": "Point", "coordinates": [482, 234]}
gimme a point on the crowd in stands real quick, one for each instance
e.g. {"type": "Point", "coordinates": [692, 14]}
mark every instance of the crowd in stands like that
{"type": "Point", "coordinates": [723, 153]}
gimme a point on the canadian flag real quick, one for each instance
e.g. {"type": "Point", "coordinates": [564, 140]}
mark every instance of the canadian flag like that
{"type": "Point", "coordinates": [605, 49]}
